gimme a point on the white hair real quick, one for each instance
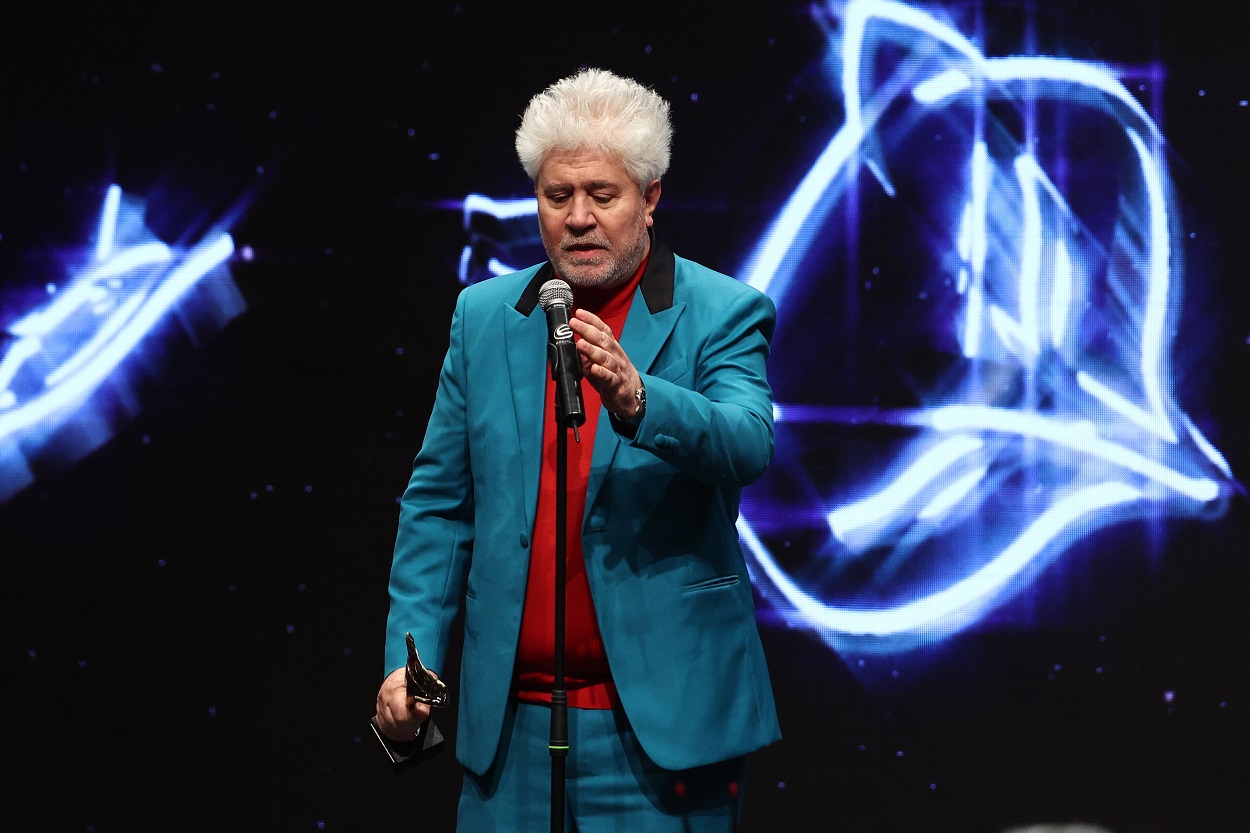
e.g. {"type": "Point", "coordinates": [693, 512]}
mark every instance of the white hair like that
{"type": "Point", "coordinates": [600, 111]}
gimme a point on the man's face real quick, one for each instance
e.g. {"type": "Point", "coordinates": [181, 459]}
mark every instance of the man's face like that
{"type": "Point", "coordinates": [593, 218]}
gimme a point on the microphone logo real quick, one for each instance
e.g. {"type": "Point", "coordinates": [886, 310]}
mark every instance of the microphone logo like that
{"type": "Point", "coordinates": [562, 332]}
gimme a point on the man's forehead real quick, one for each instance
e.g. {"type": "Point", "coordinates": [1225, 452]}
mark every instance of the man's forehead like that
{"type": "Point", "coordinates": [583, 169]}
{"type": "Point", "coordinates": [558, 183]}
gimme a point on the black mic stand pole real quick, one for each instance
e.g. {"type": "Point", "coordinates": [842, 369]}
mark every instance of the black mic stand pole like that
{"type": "Point", "coordinates": [559, 743]}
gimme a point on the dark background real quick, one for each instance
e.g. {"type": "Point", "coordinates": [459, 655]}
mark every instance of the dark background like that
{"type": "Point", "coordinates": [193, 613]}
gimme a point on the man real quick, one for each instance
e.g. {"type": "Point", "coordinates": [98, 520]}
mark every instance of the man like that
{"type": "Point", "coordinates": [667, 685]}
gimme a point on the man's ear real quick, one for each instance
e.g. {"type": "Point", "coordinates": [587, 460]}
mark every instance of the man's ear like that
{"type": "Point", "coordinates": [651, 196]}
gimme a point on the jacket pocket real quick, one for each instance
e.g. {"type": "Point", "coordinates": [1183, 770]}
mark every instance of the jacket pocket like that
{"type": "Point", "coordinates": [711, 583]}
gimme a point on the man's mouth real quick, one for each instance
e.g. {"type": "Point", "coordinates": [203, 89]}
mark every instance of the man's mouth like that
{"type": "Point", "coordinates": [585, 247]}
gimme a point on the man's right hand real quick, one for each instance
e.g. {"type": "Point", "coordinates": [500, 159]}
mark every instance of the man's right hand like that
{"type": "Point", "coordinates": [398, 714]}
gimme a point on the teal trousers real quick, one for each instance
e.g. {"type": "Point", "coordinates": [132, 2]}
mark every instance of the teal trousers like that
{"type": "Point", "coordinates": [610, 784]}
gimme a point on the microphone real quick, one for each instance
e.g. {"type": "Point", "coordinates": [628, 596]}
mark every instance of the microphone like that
{"type": "Point", "coordinates": [556, 299]}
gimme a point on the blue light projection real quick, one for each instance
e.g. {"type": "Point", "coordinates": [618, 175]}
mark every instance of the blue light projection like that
{"type": "Point", "coordinates": [1052, 251]}
{"type": "Point", "coordinates": [978, 282]}
{"type": "Point", "coordinates": [502, 236]}
{"type": "Point", "coordinates": [64, 365]}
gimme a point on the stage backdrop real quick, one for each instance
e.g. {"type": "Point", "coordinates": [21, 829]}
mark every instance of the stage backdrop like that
{"type": "Point", "coordinates": [1000, 556]}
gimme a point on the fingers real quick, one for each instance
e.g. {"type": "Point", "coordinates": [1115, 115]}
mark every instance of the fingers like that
{"type": "Point", "coordinates": [591, 329]}
{"type": "Point", "coordinates": [398, 715]}
{"type": "Point", "coordinates": [605, 363]}
{"type": "Point", "coordinates": [596, 343]}
{"type": "Point", "coordinates": [400, 722]}
{"type": "Point", "coordinates": [590, 318]}
{"type": "Point", "coordinates": [602, 364]}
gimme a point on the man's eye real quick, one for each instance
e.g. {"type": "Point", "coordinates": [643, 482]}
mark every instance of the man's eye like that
{"type": "Point", "coordinates": [603, 199]}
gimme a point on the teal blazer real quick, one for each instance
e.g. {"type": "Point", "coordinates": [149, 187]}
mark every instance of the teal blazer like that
{"type": "Point", "coordinates": [665, 566]}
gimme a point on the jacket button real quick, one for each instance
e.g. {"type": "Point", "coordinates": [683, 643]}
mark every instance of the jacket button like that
{"type": "Point", "coordinates": [525, 540]}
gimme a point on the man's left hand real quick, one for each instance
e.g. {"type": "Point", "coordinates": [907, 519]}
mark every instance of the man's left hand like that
{"type": "Point", "coordinates": [605, 364]}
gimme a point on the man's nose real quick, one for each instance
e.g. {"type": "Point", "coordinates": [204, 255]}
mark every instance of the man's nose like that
{"type": "Point", "coordinates": [581, 214]}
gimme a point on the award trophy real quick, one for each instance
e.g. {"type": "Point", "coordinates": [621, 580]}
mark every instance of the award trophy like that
{"type": "Point", "coordinates": [423, 687]}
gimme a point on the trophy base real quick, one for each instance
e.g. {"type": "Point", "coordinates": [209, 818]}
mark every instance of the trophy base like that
{"type": "Point", "coordinates": [427, 743]}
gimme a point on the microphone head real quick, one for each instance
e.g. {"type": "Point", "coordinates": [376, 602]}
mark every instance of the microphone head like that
{"type": "Point", "coordinates": [555, 293]}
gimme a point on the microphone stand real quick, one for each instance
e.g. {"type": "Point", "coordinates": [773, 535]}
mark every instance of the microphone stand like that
{"type": "Point", "coordinates": [556, 298]}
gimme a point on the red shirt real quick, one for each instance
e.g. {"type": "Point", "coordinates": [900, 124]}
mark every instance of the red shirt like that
{"type": "Point", "coordinates": [587, 677]}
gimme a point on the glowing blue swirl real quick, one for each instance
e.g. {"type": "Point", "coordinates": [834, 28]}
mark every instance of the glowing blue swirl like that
{"type": "Point", "coordinates": [1103, 426]}
{"type": "Point", "coordinates": [57, 355]}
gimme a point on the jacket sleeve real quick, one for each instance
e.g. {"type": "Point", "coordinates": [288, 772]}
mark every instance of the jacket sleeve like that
{"type": "Point", "coordinates": [434, 542]}
{"type": "Point", "coordinates": [717, 427]}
